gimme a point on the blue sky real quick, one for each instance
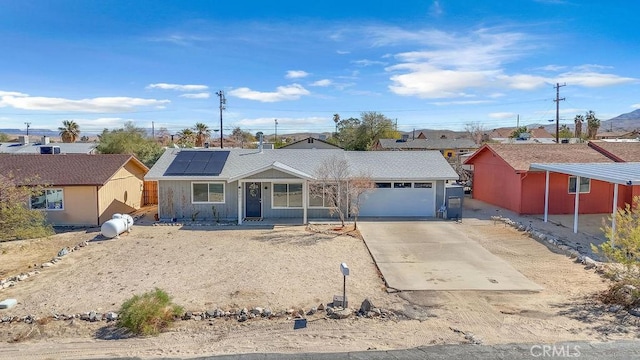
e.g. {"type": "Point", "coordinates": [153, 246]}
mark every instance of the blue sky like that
{"type": "Point", "coordinates": [429, 64]}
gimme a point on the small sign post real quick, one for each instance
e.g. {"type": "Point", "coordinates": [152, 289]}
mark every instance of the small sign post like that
{"type": "Point", "coordinates": [345, 272]}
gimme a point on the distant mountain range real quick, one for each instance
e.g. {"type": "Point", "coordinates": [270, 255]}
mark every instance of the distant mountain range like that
{"type": "Point", "coordinates": [625, 122]}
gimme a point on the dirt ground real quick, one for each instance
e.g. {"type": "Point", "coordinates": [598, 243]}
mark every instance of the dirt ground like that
{"type": "Point", "coordinates": [287, 267]}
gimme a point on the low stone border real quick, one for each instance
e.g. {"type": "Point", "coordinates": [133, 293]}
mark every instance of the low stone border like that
{"type": "Point", "coordinates": [14, 280]}
{"type": "Point", "coordinates": [367, 310]}
{"type": "Point", "coordinates": [555, 242]}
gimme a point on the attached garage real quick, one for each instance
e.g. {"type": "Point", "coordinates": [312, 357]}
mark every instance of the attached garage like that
{"type": "Point", "coordinates": [400, 199]}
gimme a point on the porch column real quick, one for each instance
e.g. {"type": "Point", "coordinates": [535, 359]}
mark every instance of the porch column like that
{"type": "Point", "coordinates": [576, 206]}
{"type": "Point", "coordinates": [240, 183]}
{"type": "Point", "coordinates": [614, 212]}
{"type": "Point", "coordinates": [305, 194]}
{"type": "Point", "coordinates": [546, 196]}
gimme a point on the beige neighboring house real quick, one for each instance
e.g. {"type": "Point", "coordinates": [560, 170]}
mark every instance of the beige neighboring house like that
{"type": "Point", "coordinates": [81, 189]}
{"type": "Point", "coordinates": [607, 135]}
{"type": "Point", "coordinates": [310, 143]}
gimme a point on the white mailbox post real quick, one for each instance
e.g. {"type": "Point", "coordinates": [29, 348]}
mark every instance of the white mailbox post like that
{"type": "Point", "coordinates": [345, 272]}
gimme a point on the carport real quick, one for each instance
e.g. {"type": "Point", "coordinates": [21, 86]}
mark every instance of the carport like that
{"type": "Point", "coordinates": [615, 173]}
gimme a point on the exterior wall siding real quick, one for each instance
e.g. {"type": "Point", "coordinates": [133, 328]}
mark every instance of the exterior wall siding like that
{"type": "Point", "coordinates": [495, 182]}
{"type": "Point", "coordinates": [80, 207]}
{"type": "Point", "coordinates": [123, 193]}
{"type": "Point", "coordinates": [175, 202]}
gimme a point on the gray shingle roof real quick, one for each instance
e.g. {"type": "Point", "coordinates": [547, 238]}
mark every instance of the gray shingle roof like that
{"type": "Point", "coordinates": [379, 165]}
{"type": "Point", "coordinates": [64, 169]}
{"type": "Point", "coordinates": [65, 148]}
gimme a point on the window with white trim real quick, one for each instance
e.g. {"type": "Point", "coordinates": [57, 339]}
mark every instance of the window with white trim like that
{"type": "Point", "coordinates": [207, 193]}
{"type": "Point", "coordinates": [423, 185]}
{"type": "Point", "coordinates": [286, 196]}
{"type": "Point", "coordinates": [382, 185]}
{"type": "Point", "coordinates": [321, 195]}
{"type": "Point", "coordinates": [585, 185]}
{"type": "Point", "coordinates": [48, 199]}
{"type": "Point", "coordinates": [402, 185]}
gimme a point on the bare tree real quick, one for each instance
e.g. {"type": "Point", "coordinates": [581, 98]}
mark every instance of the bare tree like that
{"type": "Point", "coordinates": [337, 189]}
{"type": "Point", "coordinates": [358, 186]}
{"type": "Point", "coordinates": [476, 131]}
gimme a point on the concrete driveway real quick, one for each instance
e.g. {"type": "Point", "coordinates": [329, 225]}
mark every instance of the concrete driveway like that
{"type": "Point", "coordinates": [437, 255]}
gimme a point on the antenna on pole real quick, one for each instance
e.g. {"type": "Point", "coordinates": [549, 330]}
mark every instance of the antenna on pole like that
{"type": "Point", "coordinates": [223, 101]}
{"type": "Point", "coordinates": [557, 101]}
{"type": "Point", "coordinates": [28, 125]}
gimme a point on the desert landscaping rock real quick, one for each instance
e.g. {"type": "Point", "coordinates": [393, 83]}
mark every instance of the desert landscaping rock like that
{"type": "Point", "coordinates": [342, 314]}
{"type": "Point", "coordinates": [366, 306]}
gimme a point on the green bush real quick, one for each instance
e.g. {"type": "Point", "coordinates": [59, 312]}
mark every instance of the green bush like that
{"type": "Point", "coordinates": [149, 313]}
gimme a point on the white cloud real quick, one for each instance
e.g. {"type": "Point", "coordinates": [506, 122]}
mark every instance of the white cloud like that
{"type": "Point", "coordinates": [12, 93]}
{"type": "Point", "coordinates": [427, 81]}
{"type": "Point", "coordinates": [177, 87]}
{"type": "Point", "coordinates": [593, 79]}
{"type": "Point", "coordinates": [451, 65]}
{"type": "Point", "coordinates": [282, 93]}
{"type": "Point", "coordinates": [553, 68]}
{"type": "Point", "coordinates": [342, 52]}
{"type": "Point", "coordinates": [436, 9]}
{"type": "Point", "coordinates": [635, 106]}
{"type": "Point", "coordinates": [203, 95]}
{"type": "Point", "coordinates": [296, 74]}
{"type": "Point", "coordinates": [99, 104]}
{"type": "Point", "coordinates": [503, 115]}
{"type": "Point", "coordinates": [461, 102]}
{"type": "Point", "coordinates": [366, 62]}
{"type": "Point", "coordinates": [322, 83]}
{"type": "Point", "coordinates": [523, 81]}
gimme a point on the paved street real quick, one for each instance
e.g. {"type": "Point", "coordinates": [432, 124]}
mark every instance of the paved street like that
{"type": "Point", "coordinates": [619, 350]}
{"type": "Point", "coordinates": [437, 255]}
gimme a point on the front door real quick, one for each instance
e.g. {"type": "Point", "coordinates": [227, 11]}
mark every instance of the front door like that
{"type": "Point", "coordinates": [253, 200]}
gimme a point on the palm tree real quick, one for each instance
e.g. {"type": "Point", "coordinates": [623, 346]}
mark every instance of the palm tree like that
{"type": "Point", "coordinates": [69, 131]}
{"type": "Point", "coordinates": [187, 137]}
{"type": "Point", "coordinates": [593, 124]}
{"type": "Point", "coordinates": [202, 133]}
{"type": "Point", "coordinates": [578, 120]}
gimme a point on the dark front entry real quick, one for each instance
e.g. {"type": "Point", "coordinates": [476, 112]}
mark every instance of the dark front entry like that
{"type": "Point", "coordinates": [253, 200]}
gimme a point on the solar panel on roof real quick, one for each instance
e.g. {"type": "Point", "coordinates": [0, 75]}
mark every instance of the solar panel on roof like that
{"type": "Point", "coordinates": [197, 163]}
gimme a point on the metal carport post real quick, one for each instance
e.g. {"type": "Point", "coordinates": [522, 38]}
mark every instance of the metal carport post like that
{"type": "Point", "coordinates": [614, 173]}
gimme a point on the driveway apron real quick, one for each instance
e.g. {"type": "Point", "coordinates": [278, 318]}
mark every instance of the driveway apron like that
{"type": "Point", "coordinates": [437, 255]}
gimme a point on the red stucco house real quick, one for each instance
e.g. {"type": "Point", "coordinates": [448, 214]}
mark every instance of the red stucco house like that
{"type": "Point", "coordinates": [502, 177]}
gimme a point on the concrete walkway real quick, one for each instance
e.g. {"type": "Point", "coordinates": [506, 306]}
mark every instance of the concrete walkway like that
{"type": "Point", "coordinates": [437, 255]}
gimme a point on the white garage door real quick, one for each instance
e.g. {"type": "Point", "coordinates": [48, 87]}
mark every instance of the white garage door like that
{"type": "Point", "coordinates": [399, 201]}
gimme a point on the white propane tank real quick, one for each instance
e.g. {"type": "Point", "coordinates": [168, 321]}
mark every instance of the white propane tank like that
{"type": "Point", "coordinates": [118, 224]}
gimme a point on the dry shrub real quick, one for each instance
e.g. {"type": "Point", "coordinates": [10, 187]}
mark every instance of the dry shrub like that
{"type": "Point", "coordinates": [149, 313]}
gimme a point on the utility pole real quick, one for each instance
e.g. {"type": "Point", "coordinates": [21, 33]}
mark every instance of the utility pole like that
{"type": "Point", "coordinates": [28, 125]}
{"type": "Point", "coordinates": [223, 101]}
{"type": "Point", "coordinates": [153, 130]}
{"type": "Point", "coordinates": [557, 101]}
{"type": "Point", "coordinates": [275, 137]}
